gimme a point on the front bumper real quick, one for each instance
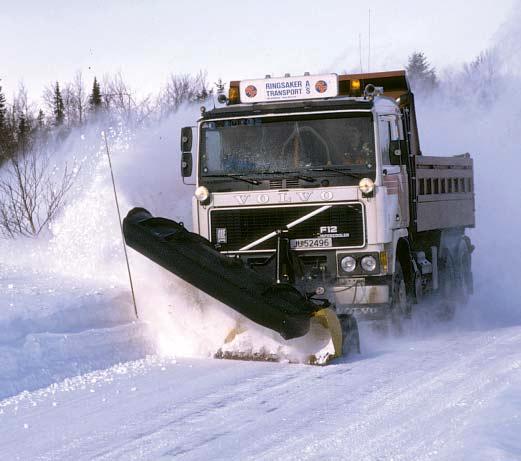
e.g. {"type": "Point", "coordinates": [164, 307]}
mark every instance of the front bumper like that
{"type": "Point", "coordinates": [363, 300]}
{"type": "Point", "coordinates": [367, 297]}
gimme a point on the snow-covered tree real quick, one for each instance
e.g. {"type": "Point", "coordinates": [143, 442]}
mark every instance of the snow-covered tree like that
{"type": "Point", "coordinates": [79, 98]}
{"type": "Point", "coordinates": [180, 89]}
{"type": "Point", "coordinates": [40, 120]}
{"type": "Point", "coordinates": [421, 74]}
{"type": "Point", "coordinates": [23, 131]}
{"type": "Point", "coordinates": [3, 110]}
{"type": "Point", "coordinates": [59, 107]}
{"type": "Point", "coordinates": [95, 100]}
{"type": "Point", "coordinates": [3, 127]}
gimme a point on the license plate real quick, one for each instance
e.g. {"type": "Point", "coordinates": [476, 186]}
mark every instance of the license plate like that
{"type": "Point", "coordinates": [297, 244]}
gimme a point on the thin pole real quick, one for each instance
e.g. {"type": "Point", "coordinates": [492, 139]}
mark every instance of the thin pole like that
{"type": "Point", "coordinates": [360, 51]}
{"type": "Point", "coordinates": [369, 51]}
{"type": "Point", "coordinates": [121, 225]}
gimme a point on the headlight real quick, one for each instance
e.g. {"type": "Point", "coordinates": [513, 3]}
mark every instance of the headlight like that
{"type": "Point", "coordinates": [368, 263]}
{"type": "Point", "coordinates": [348, 263]}
{"type": "Point", "coordinates": [202, 193]}
{"type": "Point", "coordinates": [366, 185]}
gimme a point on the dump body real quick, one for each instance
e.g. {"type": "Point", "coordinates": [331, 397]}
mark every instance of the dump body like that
{"type": "Point", "coordinates": [445, 192]}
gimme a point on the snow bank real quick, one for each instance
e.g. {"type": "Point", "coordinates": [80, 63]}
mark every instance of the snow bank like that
{"type": "Point", "coordinates": [53, 327]}
{"type": "Point", "coordinates": [65, 306]}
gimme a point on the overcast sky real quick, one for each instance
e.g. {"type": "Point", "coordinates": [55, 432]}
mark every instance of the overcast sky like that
{"type": "Point", "coordinates": [47, 40]}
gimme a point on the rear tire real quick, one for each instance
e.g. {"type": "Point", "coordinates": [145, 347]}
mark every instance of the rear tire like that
{"type": "Point", "coordinates": [350, 335]}
{"type": "Point", "coordinates": [464, 282]}
{"type": "Point", "coordinates": [448, 286]}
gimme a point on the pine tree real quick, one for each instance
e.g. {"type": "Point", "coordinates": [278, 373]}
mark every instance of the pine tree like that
{"type": "Point", "coordinates": [95, 97]}
{"type": "Point", "coordinates": [4, 129]}
{"type": "Point", "coordinates": [40, 120]}
{"type": "Point", "coordinates": [3, 111]}
{"type": "Point", "coordinates": [59, 108]}
{"type": "Point", "coordinates": [23, 131]}
{"type": "Point", "coordinates": [421, 74]}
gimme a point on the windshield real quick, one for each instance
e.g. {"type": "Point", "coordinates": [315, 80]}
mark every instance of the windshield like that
{"type": "Point", "coordinates": [287, 144]}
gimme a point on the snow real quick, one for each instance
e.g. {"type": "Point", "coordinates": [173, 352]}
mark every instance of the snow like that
{"type": "Point", "coordinates": [52, 327]}
{"type": "Point", "coordinates": [82, 378]}
{"type": "Point", "coordinates": [449, 396]}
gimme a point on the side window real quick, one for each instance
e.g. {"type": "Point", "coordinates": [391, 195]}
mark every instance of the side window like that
{"type": "Point", "coordinates": [384, 129]}
{"type": "Point", "coordinates": [396, 137]}
{"type": "Point", "coordinates": [212, 161]}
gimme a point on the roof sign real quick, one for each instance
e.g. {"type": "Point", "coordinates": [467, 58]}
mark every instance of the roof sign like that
{"type": "Point", "coordinates": [289, 88]}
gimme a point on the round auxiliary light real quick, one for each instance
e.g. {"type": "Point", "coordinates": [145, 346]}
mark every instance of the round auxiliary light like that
{"type": "Point", "coordinates": [369, 89]}
{"type": "Point", "coordinates": [368, 263]}
{"type": "Point", "coordinates": [348, 263]}
{"type": "Point", "coordinates": [202, 193]}
{"type": "Point", "coordinates": [366, 185]}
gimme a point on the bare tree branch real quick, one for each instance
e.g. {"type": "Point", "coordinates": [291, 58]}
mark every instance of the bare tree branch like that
{"type": "Point", "coordinates": [31, 194]}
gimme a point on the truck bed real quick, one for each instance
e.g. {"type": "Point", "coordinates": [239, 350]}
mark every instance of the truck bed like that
{"type": "Point", "coordinates": [444, 192]}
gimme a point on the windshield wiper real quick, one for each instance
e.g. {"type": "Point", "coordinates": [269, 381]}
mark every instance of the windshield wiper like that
{"type": "Point", "coordinates": [343, 171]}
{"type": "Point", "coordinates": [233, 176]}
{"type": "Point", "coordinates": [293, 174]}
{"type": "Point", "coordinates": [304, 178]}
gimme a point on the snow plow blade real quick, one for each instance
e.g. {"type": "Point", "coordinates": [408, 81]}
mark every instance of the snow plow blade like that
{"type": "Point", "coordinates": [191, 257]}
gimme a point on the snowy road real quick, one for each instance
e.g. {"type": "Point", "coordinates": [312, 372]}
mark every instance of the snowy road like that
{"type": "Point", "coordinates": [455, 395]}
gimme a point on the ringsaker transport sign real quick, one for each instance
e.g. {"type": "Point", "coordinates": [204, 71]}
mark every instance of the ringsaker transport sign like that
{"type": "Point", "coordinates": [289, 88]}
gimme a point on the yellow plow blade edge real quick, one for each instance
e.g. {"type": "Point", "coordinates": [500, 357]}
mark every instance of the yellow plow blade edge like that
{"type": "Point", "coordinates": [329, 320]}
{"type": "Point", "coordinates": [325, 331]}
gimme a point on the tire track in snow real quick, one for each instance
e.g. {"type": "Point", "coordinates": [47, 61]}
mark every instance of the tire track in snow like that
{"type": "Point", "coordinates": [420, 418]}
{"type": "Point", "coordinates": [412, 399]}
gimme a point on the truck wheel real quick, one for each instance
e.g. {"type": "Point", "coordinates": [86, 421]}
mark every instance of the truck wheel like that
{"type": "Point", "coordinates": [448, 289]}
{"type": "Point", "coordinates": [351, 338]}
{"type": "Point", "coordinates": [401, 305]}
{"type": "Point", "coordinates": [463, 274]}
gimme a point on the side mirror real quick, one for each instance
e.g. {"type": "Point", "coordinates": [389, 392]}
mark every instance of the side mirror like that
{"type": "Point", "coordinates": [186, 139]}
{"type": "Point", "coordinates": [186, 164]}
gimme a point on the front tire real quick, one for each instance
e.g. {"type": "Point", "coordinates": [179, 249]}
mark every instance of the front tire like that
{"type": "Point", "coordinates": [401, 305]}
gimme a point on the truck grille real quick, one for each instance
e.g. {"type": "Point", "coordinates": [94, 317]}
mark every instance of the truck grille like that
{"type": "Point", "coordinates": [235, 228]}
{"type": "Point", "coordinates": [283, 183]}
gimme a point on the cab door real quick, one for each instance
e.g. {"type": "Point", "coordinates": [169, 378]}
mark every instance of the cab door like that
{"type": "Point", "coordinates": [394, 170]}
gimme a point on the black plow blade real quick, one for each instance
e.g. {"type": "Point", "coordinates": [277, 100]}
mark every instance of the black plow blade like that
{"type": "Point", "coordinates": [193, 258]}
